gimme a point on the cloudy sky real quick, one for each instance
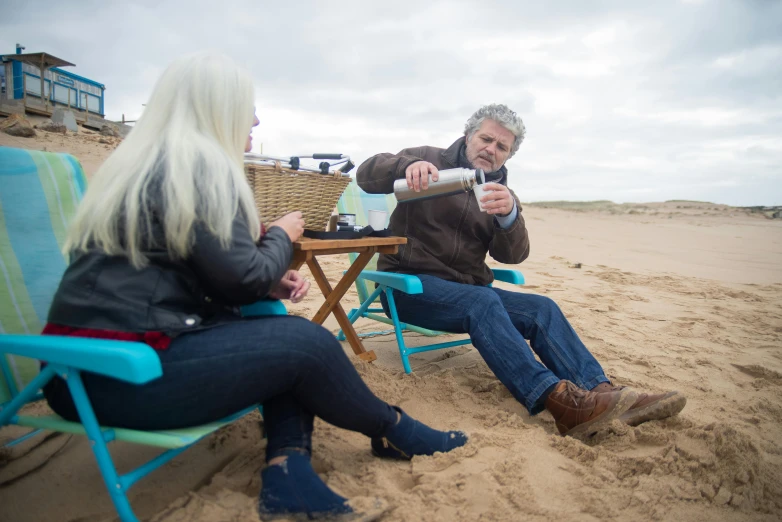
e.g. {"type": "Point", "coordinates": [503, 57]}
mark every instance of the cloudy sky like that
{"type": "Point", "coordinates": [623, 100]}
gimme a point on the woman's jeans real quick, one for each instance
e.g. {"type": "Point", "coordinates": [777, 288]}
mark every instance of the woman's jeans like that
{"type": "Point", "coordinates": [295, 368]}
{"type": "Point", "coordinates": [498, 322]}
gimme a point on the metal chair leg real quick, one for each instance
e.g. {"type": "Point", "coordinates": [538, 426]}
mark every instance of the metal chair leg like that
{"type": "Point", "coordinates": [398, 330]}
{"type": "Point", "coordinates": [110, 477]}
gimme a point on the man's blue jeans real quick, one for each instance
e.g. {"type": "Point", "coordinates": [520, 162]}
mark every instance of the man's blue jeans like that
{"type": "Point", "coordinates": [294, 367]}
{"type": "Point", "coordinates": [498, 322]}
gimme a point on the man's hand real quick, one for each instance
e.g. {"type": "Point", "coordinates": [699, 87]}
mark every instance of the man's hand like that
{"type": "Point", "coordinates": [417, 175]}
{"type": "Point", "coordinates": [292, 286]}
{"type": "Point", "coordinates": [292, 224]}
{"type": "Point", "coordinates": [497, 199]}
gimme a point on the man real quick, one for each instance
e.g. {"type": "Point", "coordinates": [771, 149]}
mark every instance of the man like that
{"type": "Point", "coordinates": [447, 242]}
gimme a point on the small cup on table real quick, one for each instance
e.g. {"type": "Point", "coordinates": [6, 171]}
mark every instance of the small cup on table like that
{"type": "Point", "coordinates": [377, 219]}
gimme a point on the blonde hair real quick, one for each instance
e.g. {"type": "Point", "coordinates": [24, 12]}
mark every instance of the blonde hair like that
{"type": "Point", "coordinates": [181, 164]}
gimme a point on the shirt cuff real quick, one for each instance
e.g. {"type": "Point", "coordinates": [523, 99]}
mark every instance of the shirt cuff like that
{"type": "Point", "coordinates": [505, 222]}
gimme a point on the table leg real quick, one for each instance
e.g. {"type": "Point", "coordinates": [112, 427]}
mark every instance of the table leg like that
{"type": "Point", "coordinates": [299, 258]}
{"type": "Point", "coordinates": [334, 296]}
{"type": "Point", "coordinates": [332, 304]}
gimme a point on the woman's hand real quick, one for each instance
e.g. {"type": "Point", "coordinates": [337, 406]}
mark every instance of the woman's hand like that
{"type": "Point", "coordinates": [292, 224]}
{"type": "Point", "coordinates": [292, 286]}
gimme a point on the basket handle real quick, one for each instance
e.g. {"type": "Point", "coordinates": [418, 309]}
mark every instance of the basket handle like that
{"type": "Point", "coordinates": [347, 167]}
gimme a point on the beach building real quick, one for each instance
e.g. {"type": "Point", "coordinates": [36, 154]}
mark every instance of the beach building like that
{"type": "Point", "coordinates": [37, 83]}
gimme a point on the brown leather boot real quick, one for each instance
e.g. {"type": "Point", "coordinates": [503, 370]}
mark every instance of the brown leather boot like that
{"type": "Point", "coordinates": [648, 406]}
{"type": "Point", "coordinates": [578, 411]}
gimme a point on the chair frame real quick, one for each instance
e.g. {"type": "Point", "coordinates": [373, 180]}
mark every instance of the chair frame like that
{"type": "Point", "coordinates": [132, 362]}
{"type": "Point", "coordinates": [386, 283]}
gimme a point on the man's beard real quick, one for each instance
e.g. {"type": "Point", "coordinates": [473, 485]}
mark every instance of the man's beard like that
{"type": "Point", "coordinates": [486, 158]}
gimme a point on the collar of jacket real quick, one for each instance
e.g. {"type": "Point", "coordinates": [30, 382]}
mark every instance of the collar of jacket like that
{"type": "Point", "coordinates": [451, 156]}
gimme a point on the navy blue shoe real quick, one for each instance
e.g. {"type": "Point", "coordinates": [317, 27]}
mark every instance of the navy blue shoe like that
{"type": "Point", "coordinates": [293, 487]}
{"type": "Point", "coordinates": [409, 438]}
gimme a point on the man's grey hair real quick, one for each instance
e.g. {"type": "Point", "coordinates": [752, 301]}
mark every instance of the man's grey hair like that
{"type": "Point", "coordinates": [502, 115]}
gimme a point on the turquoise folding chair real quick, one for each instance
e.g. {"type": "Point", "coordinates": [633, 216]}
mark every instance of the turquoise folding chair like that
{"type": "Point", "coordinates": [39, 193]}
{"type": "Point", "coordinates": [371, 283]}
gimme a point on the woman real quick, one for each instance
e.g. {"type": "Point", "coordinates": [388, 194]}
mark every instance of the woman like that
{"type": "Point", "coordinates": [166, 246]}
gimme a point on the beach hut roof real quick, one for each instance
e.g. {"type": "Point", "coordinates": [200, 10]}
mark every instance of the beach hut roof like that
{"type": "Point", "coordinates": [38, 59]}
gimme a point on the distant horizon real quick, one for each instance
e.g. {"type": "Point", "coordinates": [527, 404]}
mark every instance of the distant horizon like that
{"type": "Point", "coordinates": [555, 201]}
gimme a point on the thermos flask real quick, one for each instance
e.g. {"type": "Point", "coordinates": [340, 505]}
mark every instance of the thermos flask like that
{"type": "Point", "coordinates": [450, 181]}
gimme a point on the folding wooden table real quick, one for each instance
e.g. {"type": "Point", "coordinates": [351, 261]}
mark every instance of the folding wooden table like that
{"type": "Point", "coordinates": [307, 250]}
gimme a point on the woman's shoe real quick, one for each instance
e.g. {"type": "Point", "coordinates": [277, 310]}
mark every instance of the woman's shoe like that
{"type": "Point", "coordinates": [293, 487]}
{"type": "Point", "coordinates": [408, 438]}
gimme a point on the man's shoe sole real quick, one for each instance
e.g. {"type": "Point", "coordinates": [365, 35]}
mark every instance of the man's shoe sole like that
{"type": "Point", "coordinates": [624, 402]}
{"type": "Point", "coordinates": [671, 404]}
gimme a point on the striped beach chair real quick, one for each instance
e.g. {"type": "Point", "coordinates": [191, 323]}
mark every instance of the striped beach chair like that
{"type": "Point", "coordinates": [371, 283]}
{"type": "Point", "coordinates": [39, 193]}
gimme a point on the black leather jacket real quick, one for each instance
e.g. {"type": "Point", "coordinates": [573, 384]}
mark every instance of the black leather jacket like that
{"type": "Point", "coordinates": [105, 292]}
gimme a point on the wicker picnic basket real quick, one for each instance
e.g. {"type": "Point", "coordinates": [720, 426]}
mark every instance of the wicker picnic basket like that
{"type": "Point", "coordinates": [279, 191]}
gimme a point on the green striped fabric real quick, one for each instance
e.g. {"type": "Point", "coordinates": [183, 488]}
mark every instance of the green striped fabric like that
{"type": "Point", "coordinates": [170, 439]}
{"type": "Point", "coordinates": [39, 193]}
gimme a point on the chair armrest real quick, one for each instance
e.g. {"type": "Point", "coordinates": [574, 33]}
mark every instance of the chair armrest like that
{"type": "Point", "coordinates": [508, 276]}
{"type": "Point", "coordinates": [128, 361]}
{"type": "Point", "coordinates": [406, 283]}
{"type": "Point", "coordinates": [264, 307]}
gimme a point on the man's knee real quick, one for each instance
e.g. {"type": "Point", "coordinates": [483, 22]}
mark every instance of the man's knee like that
{"type": "Point", "coordinates": [479, 299]}
{"type": "Point", "coordinates": [542, 304]}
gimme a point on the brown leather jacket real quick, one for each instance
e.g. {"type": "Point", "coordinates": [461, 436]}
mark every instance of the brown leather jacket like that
{"type": "Point", "coordinates": [447, 237]}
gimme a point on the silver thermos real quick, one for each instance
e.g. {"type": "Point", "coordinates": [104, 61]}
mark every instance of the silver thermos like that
{"type": "Point", "coordinates": [450, 181]}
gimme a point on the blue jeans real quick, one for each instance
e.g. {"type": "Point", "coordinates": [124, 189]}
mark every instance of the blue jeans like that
{"type": "Point", "coordinates": [498, 322]}
{"type": "Point", "coordinates": [295, 368]}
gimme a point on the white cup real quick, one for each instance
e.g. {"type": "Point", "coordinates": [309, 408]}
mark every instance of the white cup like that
{"type": "Point", "coordinates": [480, 191]}
{"type": "Point", "coordinates": [377, 219]}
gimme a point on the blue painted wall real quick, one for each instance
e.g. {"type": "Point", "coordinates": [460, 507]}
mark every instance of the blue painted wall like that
{"type": "Point", "coordinates": [16, 81]}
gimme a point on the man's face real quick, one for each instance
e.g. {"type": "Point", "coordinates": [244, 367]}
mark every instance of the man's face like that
{"type": "Point", "coordinates": [489, 147]}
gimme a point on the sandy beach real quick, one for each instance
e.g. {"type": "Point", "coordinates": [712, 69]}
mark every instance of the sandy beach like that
{"type": "Point", "coordinates": [676, 295]}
